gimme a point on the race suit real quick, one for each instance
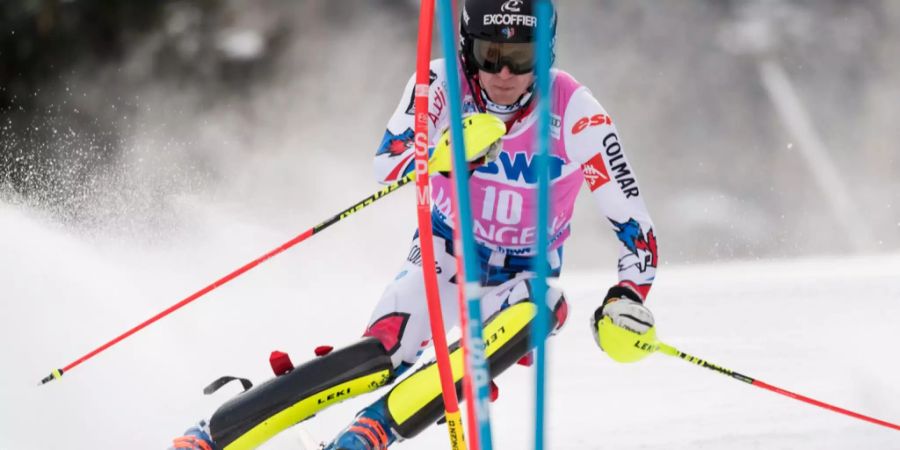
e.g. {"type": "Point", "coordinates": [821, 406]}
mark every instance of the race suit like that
{"type": "Point", "coordinates": [585, 148]}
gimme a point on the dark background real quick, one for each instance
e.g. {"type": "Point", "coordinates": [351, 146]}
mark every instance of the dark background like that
{"type": "Point", "coordinates": [109, 109]}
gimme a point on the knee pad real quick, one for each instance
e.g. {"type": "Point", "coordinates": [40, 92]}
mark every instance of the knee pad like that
{"type": "Point", "coordinates": [556, 301]}
{"type": "Point", "coordinates": [389, 329]}
{"type": "Point", "coordinates": [416, 402]}
{"type": "Point", "coordinates": [560, 310]}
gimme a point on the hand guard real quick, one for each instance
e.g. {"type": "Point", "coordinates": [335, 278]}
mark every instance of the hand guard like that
{"type": "Point", "coordinates": [623, 327]}
{"type": "Point", "coordinates": [482, 133]}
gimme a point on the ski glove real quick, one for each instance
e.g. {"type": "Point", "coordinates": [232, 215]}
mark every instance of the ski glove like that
{"type": "Point", "coordinates": [482, 133]}
{"type": "Point", "coordinates": [623, 327]}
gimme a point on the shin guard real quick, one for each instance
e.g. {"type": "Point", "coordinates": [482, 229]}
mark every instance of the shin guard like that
{"type": "Point", "coordinates": [253, 417]}
{"type": "Point", "coordinates": [416, 402]}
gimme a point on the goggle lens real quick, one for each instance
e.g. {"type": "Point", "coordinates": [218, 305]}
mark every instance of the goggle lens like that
{"type": "Point", "coordinates": [492, 56]}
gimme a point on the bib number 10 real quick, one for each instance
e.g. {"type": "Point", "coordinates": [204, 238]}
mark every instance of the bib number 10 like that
{"type": "Point", "coordinates": [504, 206]}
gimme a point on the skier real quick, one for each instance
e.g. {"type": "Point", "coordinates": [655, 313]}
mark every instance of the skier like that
{"type": "Point", "coordinates": [496, 52]}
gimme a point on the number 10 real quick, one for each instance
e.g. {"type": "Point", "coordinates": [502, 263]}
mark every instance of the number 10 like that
{"type": "Point", "coordinates": [508, 206]}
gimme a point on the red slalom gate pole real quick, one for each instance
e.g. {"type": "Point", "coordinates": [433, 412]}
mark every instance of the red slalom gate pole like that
{"type": "Point", "coordinates": [426, 241]}
{"type": "Point", "coordinates": [672, 351]}
{"type": "Point", "coordinates": [58, 373]}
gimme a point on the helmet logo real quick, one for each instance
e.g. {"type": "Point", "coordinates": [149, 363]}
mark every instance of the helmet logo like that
{"type": "Point", "coordinates": [509, 32]}
{"type": "Point", "coordinates": [510, 19]}
{"type": "Point", "coordinates": [512, 6]}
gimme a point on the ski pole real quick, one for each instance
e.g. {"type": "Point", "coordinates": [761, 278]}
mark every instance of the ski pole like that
{"type": "Point", "coordinates": [672, 351]}
{"type": "Point", "coordinates": [57, 373]}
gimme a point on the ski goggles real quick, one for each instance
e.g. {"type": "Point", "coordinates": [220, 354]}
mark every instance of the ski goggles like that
{"type": "Point", "coordinates": [492, 56]}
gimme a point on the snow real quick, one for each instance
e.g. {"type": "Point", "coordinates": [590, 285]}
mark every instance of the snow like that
{"type": "Point", "coordinates": [824, 327]}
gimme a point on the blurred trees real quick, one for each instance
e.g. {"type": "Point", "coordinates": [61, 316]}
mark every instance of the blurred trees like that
{"type": "Point", "coordinates": [721, 172]}
{"type": "Point", "coordinates": [71, 72]}
{"type": "Point", "coordinates": [41, 38]}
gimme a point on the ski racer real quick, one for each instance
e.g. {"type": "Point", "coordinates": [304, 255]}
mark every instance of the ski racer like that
{"type": "Point", "coordinates": [497, 55]}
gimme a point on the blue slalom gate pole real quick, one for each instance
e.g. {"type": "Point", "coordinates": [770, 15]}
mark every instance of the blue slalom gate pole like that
{"type": "Point", "coordinates": [476, 362]}
{"type": "Point", "coordinates": [542, 154]}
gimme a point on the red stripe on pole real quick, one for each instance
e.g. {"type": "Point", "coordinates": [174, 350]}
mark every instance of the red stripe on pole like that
{"type": "Point", "coordinates": [299, 238]}
{"type": "Point", "coordinates": [193, 297]}
{"type": "Point", "coordinates": [820, 404]}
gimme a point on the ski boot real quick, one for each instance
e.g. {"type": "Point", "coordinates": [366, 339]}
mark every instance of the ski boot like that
{"type": "Point", "coordinates": [369, 431]}
{"type": "Point", "coordinates": [195, 438]}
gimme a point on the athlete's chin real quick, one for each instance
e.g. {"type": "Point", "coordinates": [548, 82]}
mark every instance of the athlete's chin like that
{"type": "Point", "coordinates": [503, 96]}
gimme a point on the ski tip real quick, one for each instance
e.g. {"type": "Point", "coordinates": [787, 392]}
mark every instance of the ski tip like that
{"type": "Point", "coordinates": [56, 373]}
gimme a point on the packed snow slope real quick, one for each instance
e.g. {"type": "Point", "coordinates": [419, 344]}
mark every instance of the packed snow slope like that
{"type": "Point", "coordinates": [824, 327]}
